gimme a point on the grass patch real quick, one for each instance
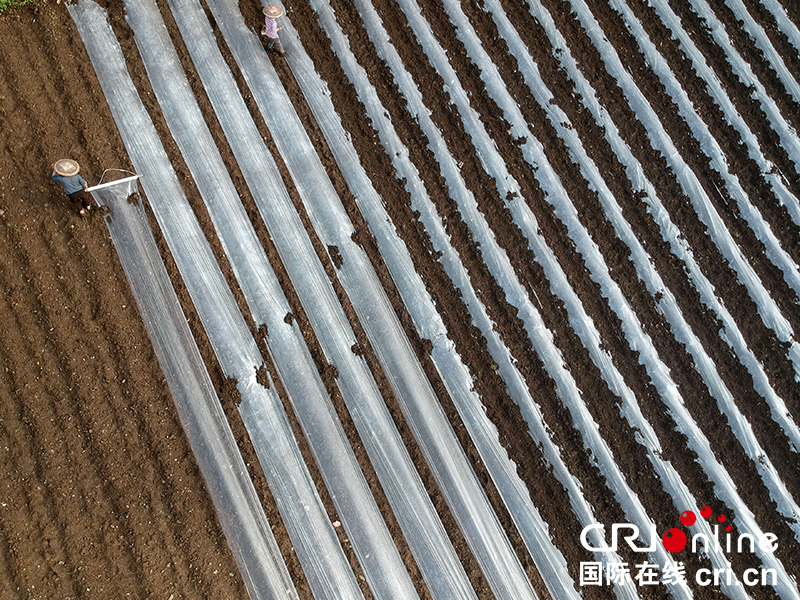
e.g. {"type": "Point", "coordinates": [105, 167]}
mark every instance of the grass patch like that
{"type": "Point", "coordinates": [6, 4]}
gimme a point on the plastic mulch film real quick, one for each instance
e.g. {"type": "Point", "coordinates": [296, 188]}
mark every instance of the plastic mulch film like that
{"type": "Point", "coordinates": [325, 564]}
{"type": "Point", "coordinates": [419, 404]}
{"type": "Point", "coordinates": [422, 309]}
{"type": "Point", "coordinates": [240, 513]}
{"type": "Point", "coordinates": [415, 513]}
{"type": "Point", "coordinates": [290, 482]}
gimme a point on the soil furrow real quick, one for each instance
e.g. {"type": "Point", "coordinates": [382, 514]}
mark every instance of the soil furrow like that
{"type": "Point", "coordinates": [715, 268]}
{"type": "Point", "coordinates": [674, 355]}
{"type": "Point", "coordinates": [747, 47]}
{"type": "Point", "coordinates": [518, 328]}
{"type": "Point", "coordinates": [690, 149]}
{"type": "Point", "coordinates": [748, 173]}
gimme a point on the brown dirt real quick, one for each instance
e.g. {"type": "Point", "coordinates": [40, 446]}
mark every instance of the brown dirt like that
{"type": "Point", "coordinates": [101, 496]}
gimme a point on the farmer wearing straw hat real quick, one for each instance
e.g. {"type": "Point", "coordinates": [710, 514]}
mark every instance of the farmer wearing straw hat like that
{"type": "Point", "coordinates": [271, 29]}
{"type": "Point", "coordinates": [65, 172]}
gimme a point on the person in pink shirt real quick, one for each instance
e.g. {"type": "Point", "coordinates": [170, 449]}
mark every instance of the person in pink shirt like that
{"type": "Point", "coordinates": [271, 29]}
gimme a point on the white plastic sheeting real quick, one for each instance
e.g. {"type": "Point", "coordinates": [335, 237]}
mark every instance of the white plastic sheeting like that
{"type": "Point", "coordinates": [240, 513]}
{"type": "Point", "coordinates": [233, 360]}
{"type": "Point", "coordinates": [789, 138]}
{"type": "Point", "coordinates": [688, 180]}
{"type": "Point", "coordinates": [762, 42]}
{"type": "Point", "coordinates": [326, 567]}
{"type": "Point", "coordinates": [786, 587]}
{"type": "Point", "coordinates": [496, 259]}
{"type": "Point", "coordinates": [412, 506]}
{"type": "Point", "coordinates": [432, 430]}
{"type": "Point", "coordinates": [713, 151]}
{"type": "Point", "coordinates": [514, 381]}
{"type": "Point", "coordinates": [730, 332]}
{"type": "Point", "coordinates": [785, 25]}
{"type": "Point", "coordinates": [592, 256]}
{"type": "Point", "coordinates": [503, 272]}
{"type": "Point", "coordinates": [522, 216]}
{"type": "Point", "coordinates": [639, 341]}
{"type": "Point", "coordinates": [294, 489]}
{"type": "Point", "coordinates": [777, 405]}
{"type": "Point", "coordinates": [549, 561]}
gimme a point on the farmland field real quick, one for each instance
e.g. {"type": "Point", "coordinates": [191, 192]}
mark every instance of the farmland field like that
{"type": "Point", "coordinates": [466, 278]}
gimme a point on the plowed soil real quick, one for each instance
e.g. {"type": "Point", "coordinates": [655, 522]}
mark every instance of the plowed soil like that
{"type": "Point", "coordinates": [100, 496]}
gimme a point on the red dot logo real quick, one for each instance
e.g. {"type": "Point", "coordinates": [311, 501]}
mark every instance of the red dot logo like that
{"type": "Point", "coordinates": [721, 518]}
{"type": "Point", "coordinates": [705, 511]}
{"type": "Point", "coordinates": [728, 528]}
{"type": "Point", "coordinates": [688, 518]}
{"type": "Point", "coordinates": [674, 540]}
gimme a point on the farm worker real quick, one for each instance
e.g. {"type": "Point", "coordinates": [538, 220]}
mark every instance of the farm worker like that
{"type": "Point", "coordinates": [65, 172]}
{"type": "Point", "coordinates": [271, 29]}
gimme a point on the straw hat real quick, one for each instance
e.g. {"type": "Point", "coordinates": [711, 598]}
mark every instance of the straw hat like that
{"type": "Point", "coordinates": [66, 167]}
{"type": "Point", "coordinates": [273, 12]}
